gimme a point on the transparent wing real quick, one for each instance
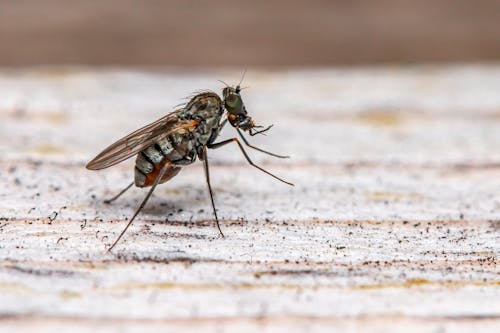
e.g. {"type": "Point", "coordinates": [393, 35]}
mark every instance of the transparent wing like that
{"type": "Point", "coordinates": [140, 139]}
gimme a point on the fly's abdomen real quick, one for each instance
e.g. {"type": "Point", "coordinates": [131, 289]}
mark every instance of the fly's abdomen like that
{"type": "Point", "coordinates": [177, 149]}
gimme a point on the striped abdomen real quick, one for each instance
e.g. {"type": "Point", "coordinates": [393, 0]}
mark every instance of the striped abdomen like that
{"type": "Point", "coordinates": [176, 149]}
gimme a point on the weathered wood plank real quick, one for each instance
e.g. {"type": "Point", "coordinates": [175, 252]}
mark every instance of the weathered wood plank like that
{"type": "Point", "coordinates": [393, 223]}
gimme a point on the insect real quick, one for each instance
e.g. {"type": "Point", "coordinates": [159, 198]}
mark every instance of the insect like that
{"type": "Point", "coordinates": [177, 139]}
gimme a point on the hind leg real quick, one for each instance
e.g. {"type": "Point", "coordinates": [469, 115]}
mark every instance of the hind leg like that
{"type": "Point", "coordinates": [108, 201]}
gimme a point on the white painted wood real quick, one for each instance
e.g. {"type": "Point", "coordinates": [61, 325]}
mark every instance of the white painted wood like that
{"type": "Point", "coordinates": [393, 225]}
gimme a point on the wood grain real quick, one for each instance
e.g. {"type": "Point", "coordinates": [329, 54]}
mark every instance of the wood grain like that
{"type": "Point", "coordinates": [393, 225]}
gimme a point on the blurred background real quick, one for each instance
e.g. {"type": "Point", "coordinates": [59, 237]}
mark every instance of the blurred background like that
{"type": "Point", "coordinates": [270, 33]}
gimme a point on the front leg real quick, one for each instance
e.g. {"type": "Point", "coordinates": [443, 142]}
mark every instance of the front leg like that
{"type": "Point", "coordinates": [225, 142]}
{"type": "Point", "coordinates": [259, 149]}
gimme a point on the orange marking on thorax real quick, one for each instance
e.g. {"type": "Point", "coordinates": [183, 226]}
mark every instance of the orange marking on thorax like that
{"type": "Point", "coordinates": [188, 126]}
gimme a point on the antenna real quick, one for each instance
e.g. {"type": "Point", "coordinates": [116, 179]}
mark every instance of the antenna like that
{"type": "Point", "coordinates": [227, 85]}
{"type": "Point", "coordinates": [242, 77]}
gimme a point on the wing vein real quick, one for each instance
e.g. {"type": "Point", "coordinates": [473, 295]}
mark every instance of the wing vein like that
{"type": "Point", "coordinates": [140, 140]}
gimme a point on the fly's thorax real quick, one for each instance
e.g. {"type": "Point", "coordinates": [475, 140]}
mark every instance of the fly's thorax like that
{"type": "Point", "coordinates": [208, 109]}
{"type": "Point", "coordinates": [203, 106]}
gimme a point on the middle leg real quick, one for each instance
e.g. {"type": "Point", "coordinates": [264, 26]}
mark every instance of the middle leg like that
{"type": "Point", "coordinates": [207, 176]}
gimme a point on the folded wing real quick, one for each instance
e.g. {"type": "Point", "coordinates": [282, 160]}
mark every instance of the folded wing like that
{"type": "Point", "coordinates": [141, 139]}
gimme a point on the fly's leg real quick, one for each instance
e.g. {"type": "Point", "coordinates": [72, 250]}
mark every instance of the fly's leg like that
{"type": "Point", "coordinates": [225, 142]}
{"type": "Point", "coordinates": [259, 149]}
{"type": "Point", "coordinates": [261, 131]}
{"type": "Point", "coordinates": [108, 201]}
{"type": "Point", "coordinates": [143, 203]}
{"type": "Point", "coordinates": [207, 176]}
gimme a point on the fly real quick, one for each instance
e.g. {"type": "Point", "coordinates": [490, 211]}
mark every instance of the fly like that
{"type": "Point", "coordinates": [177, 139]}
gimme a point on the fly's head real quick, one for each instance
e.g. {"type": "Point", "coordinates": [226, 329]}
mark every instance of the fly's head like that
{"type": "Point", "coordinates": [236, 112]}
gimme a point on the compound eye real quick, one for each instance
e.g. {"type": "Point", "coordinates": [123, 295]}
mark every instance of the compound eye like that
{"type": "Point", "coordinates": [234, 104]}
{"type": "Point", "coordinates": [232, 101]}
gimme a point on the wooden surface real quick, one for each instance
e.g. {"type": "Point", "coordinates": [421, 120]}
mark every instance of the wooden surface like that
{"type": "Point", "coordinates": [393, 225]}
